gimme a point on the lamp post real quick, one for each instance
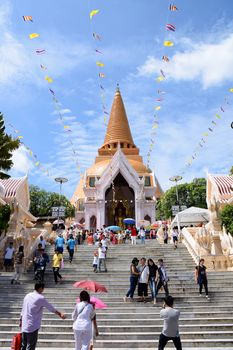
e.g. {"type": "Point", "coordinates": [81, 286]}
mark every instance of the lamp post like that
{"type": "Point", "coordinates": [175, 179]}
{"type": "Point", "coordinates": [60, 180]}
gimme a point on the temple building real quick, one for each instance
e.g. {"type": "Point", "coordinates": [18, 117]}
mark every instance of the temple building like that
{"type": "Point", "coordinates": [119, 184]}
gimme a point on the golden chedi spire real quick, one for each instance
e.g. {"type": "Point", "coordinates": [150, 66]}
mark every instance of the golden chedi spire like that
{"type": "Point", "coordinates": [118, 129]}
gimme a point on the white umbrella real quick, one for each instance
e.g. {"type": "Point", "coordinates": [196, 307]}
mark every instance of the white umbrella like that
{"type": "Point", "coordinates": [191, 216]}
{"type": "Point", "coordinates": [144, 223]}
{"type": "Point", "coordinates": [57, 222]}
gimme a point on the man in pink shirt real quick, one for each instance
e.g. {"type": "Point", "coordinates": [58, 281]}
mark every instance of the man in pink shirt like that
{"type": "Point", "coordinates": [31, 316]}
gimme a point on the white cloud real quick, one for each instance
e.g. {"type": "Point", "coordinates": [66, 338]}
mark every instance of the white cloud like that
{"type": "Point", "coordinates": [22, 162]}
{"type": "Point", "coordinates": [211, 64]}
{"type": "Point", "coordinates": [89, 113]}
{"type": "Point", "coordinates": [62, 111]}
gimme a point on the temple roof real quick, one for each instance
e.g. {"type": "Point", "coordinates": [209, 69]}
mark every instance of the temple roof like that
{"type": "Point", "coordinates": [118, 129]}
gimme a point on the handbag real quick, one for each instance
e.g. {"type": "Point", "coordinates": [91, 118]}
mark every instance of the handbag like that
{"type": "Point", "coordinates": [62, 264]}
{"type": "Point", "coordinates": [16, 342]}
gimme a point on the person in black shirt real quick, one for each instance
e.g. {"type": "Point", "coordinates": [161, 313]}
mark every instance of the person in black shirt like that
{"type": "Point", "coordinates": [201, 277]}
{"type": "Point", "coordinates": [153, 278]}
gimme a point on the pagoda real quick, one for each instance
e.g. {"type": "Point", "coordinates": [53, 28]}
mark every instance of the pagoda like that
{"type": "Point", "coordinates": [118, 184]}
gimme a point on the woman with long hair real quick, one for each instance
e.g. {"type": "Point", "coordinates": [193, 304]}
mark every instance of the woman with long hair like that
{"type": "Point", "coordinates": [83, 316]}
{"type": "Point", "coordinates": [153, 278]}
{"type": "Point", "coordinates": [134, 274]}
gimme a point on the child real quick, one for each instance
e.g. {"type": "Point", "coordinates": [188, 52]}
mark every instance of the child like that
{"type": "Point", "coordinates": [95, 261]}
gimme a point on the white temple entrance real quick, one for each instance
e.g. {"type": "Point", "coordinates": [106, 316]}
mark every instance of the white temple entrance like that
{"type": "Point", "coordinates": [119, 202]}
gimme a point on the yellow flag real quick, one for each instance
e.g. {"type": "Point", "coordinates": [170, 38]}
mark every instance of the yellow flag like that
{"type": "Point", "coordinates": [49, 80]}
{"type": "Point", "coordinates": [93, 13]}
{"type": "Point", "coordinates": [231, 89]}
{"type": "Point", "coordinates": [206, 134]}
{"type": "Point", "coordinates": [160, 78]}
{"type": "Point", "coordinates": [66, 127]}
{"type": "Point", "coordinates": [100, 64]}
{"type": "Point", "coordinates": [20, 137]}
{"type": "Point", "coordinates": [157, 108]}
{"type": "Point", "coordinates": [218, 116]}
{"type": "Point", "coordinates": [33, 35]}
{"type": "Point", "coordinates": [168, 43]}
{"type": "Point", "coordinates": [155, 126]}
{"type": "Point", "coordinates": [37, 163]}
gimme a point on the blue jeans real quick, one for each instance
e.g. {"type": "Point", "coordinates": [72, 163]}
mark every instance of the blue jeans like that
{"type": "Point", "coordinates": [133, 285]}
{"type": "Point", "coordinates": [143, 240]}
{"type": "Point", "coordinates": [152, 285]}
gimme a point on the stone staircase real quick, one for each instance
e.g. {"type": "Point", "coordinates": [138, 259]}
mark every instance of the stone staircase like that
{"type": "Point", "coordinates": [203, 325]}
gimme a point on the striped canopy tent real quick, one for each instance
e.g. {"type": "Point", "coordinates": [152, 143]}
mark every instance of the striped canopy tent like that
{"type": "Point", "coordinates": [220, 189]}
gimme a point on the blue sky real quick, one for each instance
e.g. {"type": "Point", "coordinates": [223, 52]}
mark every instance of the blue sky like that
{"type": "Point", "coordinates": [198, 78]}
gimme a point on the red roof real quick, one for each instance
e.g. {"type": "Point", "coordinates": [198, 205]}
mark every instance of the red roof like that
{"type": "Point", "coordinates": [11, 185]}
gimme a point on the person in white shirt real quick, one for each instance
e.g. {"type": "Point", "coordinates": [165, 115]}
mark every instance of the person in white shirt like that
{"type": "Point", "coordinates": [102, 257]}
{"type": "Point", "coordinates": [143, 280]}
{"type": "Point", "coordinates": [175, 235]}
{"type": "Point", "coordinates": [142, 235]}
{"type": "Point", "coordinates": [83, 315]}
{"type": "Point", "coordinates": [170, 330]}
{"type": "Point", "coordinates": [8, 256]}
{"type": "Point", "coordinates": [43, 242]}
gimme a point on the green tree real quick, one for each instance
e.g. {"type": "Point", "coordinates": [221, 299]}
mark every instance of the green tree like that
{"type": "Point", "coordinates": [231, 171]}
{"type": "Point", "coordinates": [7, 146]}
{"type": "Point", "coordinates": [42, 202]}
{"type": "Point", "coordinates": [190, 194]}
{"type": "Point", "coordinates": [226, 216]}
{"type": "Point", "coordinates": [5, 213]}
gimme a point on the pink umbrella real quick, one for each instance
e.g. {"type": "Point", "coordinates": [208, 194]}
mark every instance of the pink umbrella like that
{"type": "Point", "coordinates": [90, 285]}
{"type": "Point", "coordinates": [98, 304]}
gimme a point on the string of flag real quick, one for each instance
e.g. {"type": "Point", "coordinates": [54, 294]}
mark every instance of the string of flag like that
{"type": "Point", "coordinates": [33, 155]}
{"type": "Point", "coordinates": [100, 65]}
{"type": "Point", "coordinates": [66, 128]}
{"type": "Point", "coordinates": [212, 125]}
{"type": "Point", "coordinates": [168, 42]}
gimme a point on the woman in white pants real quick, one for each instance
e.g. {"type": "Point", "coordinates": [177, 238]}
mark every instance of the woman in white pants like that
{"type": "Point", "coordinates": [82, 316]}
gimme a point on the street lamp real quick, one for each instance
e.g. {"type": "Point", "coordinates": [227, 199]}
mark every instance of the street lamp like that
{"type": "Point", "coordinates": [176, 179]}
{"type": "Point", "coordinates": [60, 180]}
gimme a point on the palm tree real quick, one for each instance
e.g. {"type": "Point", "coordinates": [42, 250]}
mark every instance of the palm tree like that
{"type": "Point", "coordinates": [7, 146]}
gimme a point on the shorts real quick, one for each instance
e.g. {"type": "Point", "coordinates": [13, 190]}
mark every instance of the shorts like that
{"type": "Point", "coordinates": [175, 239]}
{"type": "Point", "coordinates": [142, 289]}
{"type": "Point", "coordinates": [95, 265]}
{"type": "Point", "coordinates": [8, 262]}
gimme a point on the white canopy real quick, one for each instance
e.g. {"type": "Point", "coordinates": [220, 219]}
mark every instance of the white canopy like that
{"type": "Point", "coordinates": [191, 216]}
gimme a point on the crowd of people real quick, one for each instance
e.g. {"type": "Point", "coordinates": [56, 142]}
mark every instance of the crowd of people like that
{"type": "Point", "coordinates": [145, 276]}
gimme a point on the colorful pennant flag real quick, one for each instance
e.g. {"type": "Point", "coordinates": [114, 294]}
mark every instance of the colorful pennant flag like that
{"type": "Point", "coordinates": [162, 72]}
{"type": "Point", "coordinates": [43, 67]}
{"type": "Point", "coordinates": [98, 51]}
{"type": "Point", "coordinates": [168, 43]}
{"type": "Point", "coordinates": [231, 89]}
{"type": "Point", "coordinates": [40, 51]}
{"type": "Point", "coordinates": [218, 116]}
{"type": "Point", "coordinates": [94, 13]}
{"type": "Point", "coordinates": [96, 36]}
{"type": "Point", "coordinates": [159, 79]}
{"type": "Point", "coordinates": [101, 75]}
{"type": "Point", "coordinates": [49, 80]}
{"type": "Point", "coordinates": [157, 108]}
{"type": "Point", "coordinates": [165, 58]}
{"type": "Point", "coordinates": [170, 27]}
{"type": "Point", "coordinates": [173, 7]}
{"type": "Point", "coordinates": [27, 18]}
{"type": "Point", "coordinates": [33, 35]}
{"type": "Point", "coordinates": [99, 64]}
{"type": "Point", "coordinates": [52, 92]}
